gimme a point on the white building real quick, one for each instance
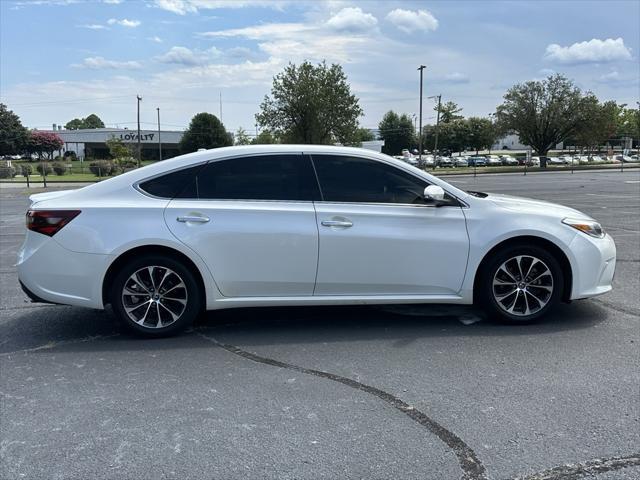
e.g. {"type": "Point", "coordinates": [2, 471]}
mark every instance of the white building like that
{"type": "Point", "coordinates": [92, 142]}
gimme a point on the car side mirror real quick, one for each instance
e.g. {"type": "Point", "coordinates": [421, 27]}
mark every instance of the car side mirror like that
{"type": "Point", "coordinates": [434, 194]}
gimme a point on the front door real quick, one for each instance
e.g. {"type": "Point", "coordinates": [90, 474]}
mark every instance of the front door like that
{"type": "Point", "coordinates": [377, 235]}
{"type": "Point", "coordinates": [253, 222]}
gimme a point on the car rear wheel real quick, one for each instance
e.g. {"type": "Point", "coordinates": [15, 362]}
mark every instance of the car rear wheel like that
{"type": "Point", "coordinates": [155, 296]}
{"type": "Point", "coordinates": [520, 284]}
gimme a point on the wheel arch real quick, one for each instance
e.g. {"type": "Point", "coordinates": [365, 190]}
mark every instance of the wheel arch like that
{"type": "Point", "coordinates": [528, 240]}
{"type": "Point", "coordinates": [122, 259]}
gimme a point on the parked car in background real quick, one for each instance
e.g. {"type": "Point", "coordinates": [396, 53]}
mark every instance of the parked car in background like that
{"type": "Point", "coordinates": [242, 226]}
{"type": "Point", "coordinates": [596, 159]}
{"type": "Point", "coordinates": [626, 158]}
{"type": "Point", "coordinates": [461, 161]}
{"type": "Point", "coordinates": [428, 161]}
{"type": "Point", "coordinates": [494, 161]}
{"type": "Point", "coordinates": [444, 162]}
{"type": "Point", "coordinates": [508, 160]}
{"type": "Point", "coordinates": [477, 161]}
{"type": "Point", "coordinates": [534, 162]}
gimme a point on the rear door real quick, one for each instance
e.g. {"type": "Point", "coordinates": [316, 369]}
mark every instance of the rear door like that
{"type": "Point", "coordinates": [253, 222]}
{"type": "Point", "coordinates": [377, 235]}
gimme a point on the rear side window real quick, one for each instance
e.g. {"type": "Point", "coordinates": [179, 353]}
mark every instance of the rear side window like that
{"type": "Point", "coordinates": [171, 184]}
{"type": "Point", "coordinates": [260, 177]}
{"type": "Point", "coordinates": [360, 180]}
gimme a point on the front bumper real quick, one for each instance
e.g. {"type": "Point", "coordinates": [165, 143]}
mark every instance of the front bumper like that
{"type": "Point", "coordinates": [594, 265]}
{"type": "Point", "coordinates": [51, 273]}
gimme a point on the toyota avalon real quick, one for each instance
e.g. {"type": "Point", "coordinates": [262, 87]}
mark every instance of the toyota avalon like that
{"type": "Point", "coordinates": [302, 225]}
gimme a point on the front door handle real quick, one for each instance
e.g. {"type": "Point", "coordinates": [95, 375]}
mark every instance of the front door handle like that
{"type": "Point", "coordinates": [192, 218]}
{"type": "Point", "coordinates": [337, 223]}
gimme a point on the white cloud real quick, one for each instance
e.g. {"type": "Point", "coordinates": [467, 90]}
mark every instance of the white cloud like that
{"type": "Point", "coordinates": [592, 51]}
{"type": "Point", "coordinates": [456, 78]}
{"type": "Point", "coordinates": [352, 20]}
{"type": "Point", "coordinates": [124, 22]}
{"type": "Point", "coordinates": [113, 2]}
{"type": "Point", "coordinates": [182, 7]}
{"type": "Point", "coordinates": [616, 79]}
{"type": "Point", "coordinates": [93, 26]}
{"type": "Point", "coordinates": [101, 63]}
{"type": "Point", "coordinates": [155, 39]}
{"type": "Point", "coordinates": [184, 56]}
{"type": "Point", "coordinates": [304, 41]}
{"type": "Point", "coordinates": [410, 21]}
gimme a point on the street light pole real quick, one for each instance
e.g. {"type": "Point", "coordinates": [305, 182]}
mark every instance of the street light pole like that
{"type": "Point", "coordinates": [139, 146]}
{"type": "Point", "coordinates": [159, 140]}
{"type": "Point", "coordinates": [435, 146]}
{"type": "Point", "coordinates": [421, 68]}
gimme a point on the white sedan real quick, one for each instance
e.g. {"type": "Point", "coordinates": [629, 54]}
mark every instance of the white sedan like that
{"type": "Point", "coordinates": [302, 225]}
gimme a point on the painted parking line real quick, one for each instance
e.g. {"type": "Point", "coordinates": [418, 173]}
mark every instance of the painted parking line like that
{"type": "Point", "coordinates": [632, 181]}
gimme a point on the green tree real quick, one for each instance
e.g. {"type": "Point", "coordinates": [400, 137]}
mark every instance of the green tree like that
{"type": "Point", "coordinates": [599, 125]}
{"type": "Point", "coordinates": [543, 113]}
{"type": "Point", "coordinates": [13, 136]}
{"type": "Point", "coordinates": [397, 131]}
{"type": "Point", "coordinates": [359, 136]}
{"type": "Point", "coordinates": [92, 121]}
{"type": "Point", "coordinates": [241, 137]}
{"type": "Point", "coordinates": [205, 131]}
{"type": "Point", "coordinates": [265, 137]}
{"type": "Point", "coordinates": [311, 104]}
{"type": "Point", "coordinates": [481, 133]}
{"type": "Point", "coordinates": [121, 153]}
{"type": "Point", "coordinates": [449, 112]}
{"type": "Point", "coordinates": [452, 136]}
{"type": "Point", "coordinates": [628, 122]}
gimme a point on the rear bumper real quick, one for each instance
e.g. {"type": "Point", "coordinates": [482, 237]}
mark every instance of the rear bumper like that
{"type": "Point", "coordinates": [595, 266]}
{"type": "Point", "coordinates": [49, 272]}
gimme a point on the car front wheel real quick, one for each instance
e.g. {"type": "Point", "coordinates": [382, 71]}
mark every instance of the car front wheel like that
{"type": "Point", "coordinates": [155, 296]}
{"type": "Point", "coordinates": [520, 284]}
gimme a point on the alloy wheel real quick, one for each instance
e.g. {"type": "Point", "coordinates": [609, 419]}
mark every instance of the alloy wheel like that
{"type": "Point", "coordinates": [154, 297]}
{"type": "Point", "coordinates": [522, 285]}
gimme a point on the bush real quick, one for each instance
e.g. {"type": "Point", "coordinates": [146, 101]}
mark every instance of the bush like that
{"type": "Point", "coordinates": [59, 168]}
{"type": "Point", "coordinates": [44, 168]}
{"type": "Point", "coordinates": [57, 158]}
{"type": "Point", "coordinates": [25, 170]}
{"type": "Point", "coordinates": [70, 155]}
{"type": "Point", "coordinates": [101, 168]}
{"type": "Point", "coordinates": [7, 172]}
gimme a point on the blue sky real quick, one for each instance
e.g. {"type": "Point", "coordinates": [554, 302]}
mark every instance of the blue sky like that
{"type": "Point", "coordinates": [62, 59]}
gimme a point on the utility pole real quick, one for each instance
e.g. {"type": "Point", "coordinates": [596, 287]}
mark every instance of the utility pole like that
{"type": "Point", "coordinates": [220, 107]}
{"type": "Point", "coordinates": [435, 146]}
{"type": "Point", "coordinates": [159, 140]}
{"type": "Point", "coordinates": [421, 68]}
{"type": "Point", "coordinates": [139, 146]}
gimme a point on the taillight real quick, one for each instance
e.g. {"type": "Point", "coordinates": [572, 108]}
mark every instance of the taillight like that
{"type": "Point", "coordinates": [49, 222]}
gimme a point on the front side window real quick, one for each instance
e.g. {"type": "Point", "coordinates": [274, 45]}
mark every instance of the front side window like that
{"type": "Point", "coordinates": [259, 177]}
{"type": "Point", "coordinates": [360, 180]}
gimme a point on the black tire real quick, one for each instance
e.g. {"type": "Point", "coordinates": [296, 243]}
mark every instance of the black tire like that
{"type": "Point", "coordinates": [180, 286]}
{"type": "Point", "coordinates": [525, 298]}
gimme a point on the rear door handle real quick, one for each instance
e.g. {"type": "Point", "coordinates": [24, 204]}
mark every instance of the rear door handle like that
{"type": "Point", "coordinates": [192, 218]}
{"type": "Point", "coordinates": [337, 223]}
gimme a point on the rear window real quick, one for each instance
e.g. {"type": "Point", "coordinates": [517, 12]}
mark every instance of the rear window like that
{"type": "Point", "coordinates": [261, 177]}
{"type": "Point", "coordinates": [170, 184]}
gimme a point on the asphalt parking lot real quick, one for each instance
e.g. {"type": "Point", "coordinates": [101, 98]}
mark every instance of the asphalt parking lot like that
{"type": "Point", "coordinates": [414, 392]}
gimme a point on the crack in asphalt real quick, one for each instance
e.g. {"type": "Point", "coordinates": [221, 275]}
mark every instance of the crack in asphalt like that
{"type": "Point", "coordinates": [468, 461]}
{"type": "Point", "coordinates": [574, 471]}
{"type": "Point", "coordinates": [53, 344]}
{"type": "Point", "coordinates": [617, 308]}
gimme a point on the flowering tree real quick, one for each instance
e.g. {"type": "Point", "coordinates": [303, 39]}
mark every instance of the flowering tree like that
{"type": "Point", "coordinates": [42, 143]}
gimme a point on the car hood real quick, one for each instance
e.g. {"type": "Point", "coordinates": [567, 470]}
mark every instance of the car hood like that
{"type": "Point", "coordinates": [529, 205]}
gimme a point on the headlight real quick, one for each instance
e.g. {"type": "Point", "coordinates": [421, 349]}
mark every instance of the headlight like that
{"type": "Point", "coordinates": [590, 227]}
